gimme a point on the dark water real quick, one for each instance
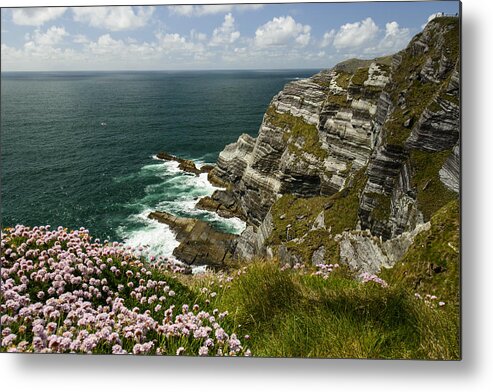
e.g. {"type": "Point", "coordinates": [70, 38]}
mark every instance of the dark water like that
{"type": "Point", "coordinates": [60, 166]}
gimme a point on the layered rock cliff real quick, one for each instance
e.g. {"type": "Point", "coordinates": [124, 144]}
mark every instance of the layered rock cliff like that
{"type": "Point", "coordinates": [352, 161]}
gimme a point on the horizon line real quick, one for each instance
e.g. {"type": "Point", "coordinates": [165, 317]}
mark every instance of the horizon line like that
{"type": "Point", "coordinates": [170, 70]}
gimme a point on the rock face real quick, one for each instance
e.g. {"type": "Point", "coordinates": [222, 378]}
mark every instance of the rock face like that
{"type": "Point", "coordinates": [375, 139]}
{"type": "Point", "coordinates": [200, 244]}
{"type": "Point", "coordinates": [316, 133]}
{"type": "Point", "coordinates": [417, 128]}
{"type": "Point", "coordinates": [450, 172]}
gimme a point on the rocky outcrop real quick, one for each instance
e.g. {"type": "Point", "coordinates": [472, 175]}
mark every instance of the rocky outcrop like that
{"type": "Point", "coordinates": [364, 252]}
{"type": "Point", "coordinates": [223, 203]}
{"type": "Point", "coordinates": [186, 165]}
{"type": "Point", "coordinates": [200, 244]}
{"type": "Point", "coordinates": [394, 119]}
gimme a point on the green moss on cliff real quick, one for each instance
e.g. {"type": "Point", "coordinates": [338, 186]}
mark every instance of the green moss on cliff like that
{"type": "Point", "coordinates": [342, 210]}
{"type": "Point", "coordinates": [297, 212]}
{"type": "Point", "coordinates": [360, 76]}
{"type": "Point", "coordinates": [339, 100]}
{"type": "Point", "coordinates": [432, 263]}
{"type": "Point", "coordinates": [297, 129]}
{"type": "Point", "coordinates": [293, 218]}
{"type": "Point", "coordinates": [312, 242]}
{"type": "Point", "coordinates": [343, 79]}
{"type": "Point", "coordinates": [432, 194]}
{"type": "Point", "coordinates": [382, 209]}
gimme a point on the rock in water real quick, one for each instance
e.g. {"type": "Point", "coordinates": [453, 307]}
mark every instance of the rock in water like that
{"type": "Point", "coordinates": [200, 244]}
{"type": "Point", "coordinates": [186, 165]}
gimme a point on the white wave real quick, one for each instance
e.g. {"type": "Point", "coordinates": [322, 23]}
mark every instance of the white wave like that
{"type": "Point", "coordinates": [184, 190]}
{"type": "Point", "coordinates": [201, 269]}
{"type": "Point", "coordinates": [152, 238]}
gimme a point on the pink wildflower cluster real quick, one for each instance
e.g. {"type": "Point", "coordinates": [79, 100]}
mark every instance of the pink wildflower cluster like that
{"type": "Point", "coordinates": [62, 292]}
{"type": "Point", "coordinates": [430, 300]}
{"type": "Point", "coordinates": [324, 270]}
{"type": "Point", "coordinates": [366, 277]}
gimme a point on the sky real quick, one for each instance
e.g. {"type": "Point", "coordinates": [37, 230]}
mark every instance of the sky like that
{"type": "Point", "coordinates": [199, 37]}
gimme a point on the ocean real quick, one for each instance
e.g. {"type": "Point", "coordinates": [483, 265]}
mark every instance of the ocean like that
{"type": "Point", "coordinates": [78, 148]}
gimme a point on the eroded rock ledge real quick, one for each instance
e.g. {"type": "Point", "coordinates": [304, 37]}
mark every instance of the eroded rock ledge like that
{"type": "Point", "coordinates": [200, 243]}
{"type": "Point", "coordinates": [186, 165]}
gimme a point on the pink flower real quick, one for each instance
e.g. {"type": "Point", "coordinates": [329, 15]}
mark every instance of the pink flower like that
{"type": "Point", "coordinates": [8, 340]}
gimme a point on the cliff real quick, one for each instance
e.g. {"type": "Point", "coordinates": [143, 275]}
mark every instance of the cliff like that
{"type": "Point", "coordinates": [351, 164]}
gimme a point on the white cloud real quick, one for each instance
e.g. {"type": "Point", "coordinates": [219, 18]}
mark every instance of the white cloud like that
{"type": "Point", "coordinates": [200, 10]}
{"type": "Point", "coordinates": [197, 36]}
{"type": "Point", "coordinates": [53, 36]}
{"type": "Point", "coordinates": [171, 41]}
{"type": "Point", "coordinates": [36, 16]}
{"type": "Point", "coordinates": [40, 51]}
{"type": "Point", "coordinates": [179, 46]}
{"type": "Point", "coordinates": [328, 38]}
{"type": "Point", "coordinates": [354, 35]}
{"type": "Point", "coordinates": [281, 31]}
{"type": "Point", "coordinates": [114, 18]}
{"type": "Point", "coordinates": [80, 39]}
{"type": "Point", "coordinates": [226, 33]}
{"type": "Point", "coordinates": [395, 39]}
{"type": "Point", "coordinates": [106, 45]}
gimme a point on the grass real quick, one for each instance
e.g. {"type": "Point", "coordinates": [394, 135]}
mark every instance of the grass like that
{"type": "Point", "coordinates": [342, 212]}
{"type": "Point", "coordinates": [294, 314]}
{"type": "Point", "coordinates": [311, 242]}
{"type": "Point", "coordinates": [298, 212]}
{"type": "Point", "coordinates": [297, 129]}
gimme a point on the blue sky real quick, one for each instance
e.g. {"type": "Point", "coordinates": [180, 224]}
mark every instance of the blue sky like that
{"type": "Point", "coordinates": [256, 36]}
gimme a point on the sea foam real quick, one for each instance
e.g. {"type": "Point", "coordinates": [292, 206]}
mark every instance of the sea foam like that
{"type": "Point", "coordinates": [176, 192]}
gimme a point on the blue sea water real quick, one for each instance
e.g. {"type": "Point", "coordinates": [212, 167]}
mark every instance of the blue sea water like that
{"type": "Point", "coordinates": [61, 166]}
